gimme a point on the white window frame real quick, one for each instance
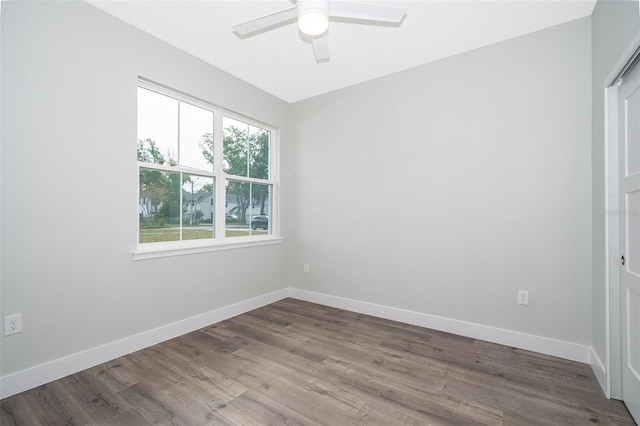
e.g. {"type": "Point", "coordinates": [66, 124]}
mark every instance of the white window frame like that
{"type": "Point", "coordinates": [220, 241]}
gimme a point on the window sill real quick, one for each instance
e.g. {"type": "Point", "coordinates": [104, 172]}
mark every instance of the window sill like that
{"type": "Point", "coordinates": [179, 248]}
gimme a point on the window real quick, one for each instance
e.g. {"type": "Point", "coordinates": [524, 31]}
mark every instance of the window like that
{"type": "Point", "coordinates": [206, 177]}
{"type": "Point", "coordinates": [248, 191]}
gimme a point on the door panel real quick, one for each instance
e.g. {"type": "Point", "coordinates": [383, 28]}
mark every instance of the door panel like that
{"type": "Point", "coordinates": [632, 150]}
{"type": "Point", "coordinates": [629, 105]}
{"type": "Point", "coordinates": [632, 207]}
{"type": "Point", "coordinates": [633, 317]}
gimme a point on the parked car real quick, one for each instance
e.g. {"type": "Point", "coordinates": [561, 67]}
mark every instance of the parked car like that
{"type": "Point", "coordinates": [260, 221]}
{"type": "Point", "coordinates": [231, 218]}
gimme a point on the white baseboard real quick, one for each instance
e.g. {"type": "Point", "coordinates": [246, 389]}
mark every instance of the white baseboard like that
{"type": "Point", "coordinates": [600, 372]}
{"type": "Point", "coordinates": [29, 378]}
{"type": "Point", "coordinates": [559, 348]}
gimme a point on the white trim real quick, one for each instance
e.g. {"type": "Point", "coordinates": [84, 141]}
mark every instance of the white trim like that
{"type": "Point", "coordinates": [29, 378]}
{"type": "Point", "coordinates": [545, 345]}
{"type": "Point", "coordinates": [612, 249]}
{"type": "Point", "coordinates": [177, 95]}
{"type": "Point", "coordinates": [247, 179]}
{"type": "Point", "coordinates": [599, 371]}
{"type": "Point", "coordinates": [153, 251]}
{"type": "Point", "coordinates": [613, 360]}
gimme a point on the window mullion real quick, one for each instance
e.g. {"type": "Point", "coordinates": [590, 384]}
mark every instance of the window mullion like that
{"type": "Point", "coordinates": [248, 151]}
{"type": "Point", "coordinates": [251, 212]}
{"type": "Point", "coordinates": [167, 168]}
{"type": "Point", "coordinates": [180, 175]}
{"type": "Point", "coordinates": [220, 211]}
{"type": "Point", "coordinates": [250, 179]}
{"type": "Point", "coordinates": [180, 202]}
{"type": "Point", "coordinates": [178, 162]}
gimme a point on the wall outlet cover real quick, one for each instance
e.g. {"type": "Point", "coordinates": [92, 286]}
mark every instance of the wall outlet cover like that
{"type": "Point", "coordinates": [12, 324]}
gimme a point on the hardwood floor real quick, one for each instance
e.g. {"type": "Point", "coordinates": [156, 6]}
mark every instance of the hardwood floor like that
{"type": "Point", "coordinates": [295, 362]}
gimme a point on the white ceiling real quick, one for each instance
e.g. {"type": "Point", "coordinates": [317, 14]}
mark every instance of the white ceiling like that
{"type": "Point", "coordinates": [282, 63]}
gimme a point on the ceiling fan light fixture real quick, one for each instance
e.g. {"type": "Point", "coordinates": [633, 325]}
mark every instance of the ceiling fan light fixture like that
{"type": "Point", "coordinates": [313, 20]}
{"type": "Point", "coordinates": [313, 17]}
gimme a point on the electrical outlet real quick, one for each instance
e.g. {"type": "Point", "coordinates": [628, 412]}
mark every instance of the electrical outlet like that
{"type": "Point", "coordinates": [306, 268]}
{"type": "Point", "coordinates": [523, 297]}
{"type": "Point", "coordinates": [12, 324]}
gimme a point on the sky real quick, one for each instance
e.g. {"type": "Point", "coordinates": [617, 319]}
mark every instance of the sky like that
{"type": "Point", "coordinates": [158, 120]}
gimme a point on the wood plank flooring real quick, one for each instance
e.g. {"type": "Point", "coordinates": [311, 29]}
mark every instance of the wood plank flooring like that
{"type": "Point", "coordinates": [299, 363]}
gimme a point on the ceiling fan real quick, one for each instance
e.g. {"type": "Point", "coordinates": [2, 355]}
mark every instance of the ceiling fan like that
{"type": "Point", "coordinates": [313, 19]}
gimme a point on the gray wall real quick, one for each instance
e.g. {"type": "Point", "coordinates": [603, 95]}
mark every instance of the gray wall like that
{"type": "Point", "coordinates": [442, 189]}
{"type": "Point", "coordinates": [614, 24]}
{"type": "Point", "coordinates": [69, 214]}
{"type": "Point", "coordinates": [446, 188]}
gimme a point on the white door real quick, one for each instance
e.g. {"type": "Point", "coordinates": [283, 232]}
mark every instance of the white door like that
{"type": "Point", "coordinates": [629, 154]}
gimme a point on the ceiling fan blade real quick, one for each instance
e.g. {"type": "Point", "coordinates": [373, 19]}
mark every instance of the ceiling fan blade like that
{"type": "Point", "coordinates": [321, 48]}
{"type": "Point", "coordinates": [266, 21]}
{"type": "Point", "coordinates": [366, 11]}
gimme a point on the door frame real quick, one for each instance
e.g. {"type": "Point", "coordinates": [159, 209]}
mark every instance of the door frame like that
{"type": "Point", "coordinates": [613, 354]}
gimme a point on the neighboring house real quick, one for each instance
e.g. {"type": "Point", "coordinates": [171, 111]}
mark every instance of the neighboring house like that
{"type": "Point", "coordinates": [198, 202]}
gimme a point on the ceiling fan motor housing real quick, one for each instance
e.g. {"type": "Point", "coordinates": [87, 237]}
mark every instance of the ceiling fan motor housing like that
{"type": "Point", "coordinates": [313, 16]}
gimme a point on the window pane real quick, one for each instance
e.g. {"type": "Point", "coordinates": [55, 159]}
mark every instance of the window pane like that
{"type": "Point", "coordinates": [157, 128]}
{"type": "Point", "coordinates": [197, 207]}
{"type": "Point", "coordinates": [237, 204]}
{"type": "Point", "coordinates": [258, 145]}
{"type": "Point", "coordinates": [248, 208]}
{"type": "Point", "coordinates": [196, 137]}
{"type": "Point", "coordinates": [260, 209]}
{"type": "Point", "coordinates": [159, 202]}
{"type": "Point", "coordinates": [246, 149]}
{"type": "Point", "coordinates": [235, 146]}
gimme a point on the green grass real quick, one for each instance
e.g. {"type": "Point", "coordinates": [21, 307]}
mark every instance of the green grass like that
{"type": "Point", "coordinates": [155, 235]}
